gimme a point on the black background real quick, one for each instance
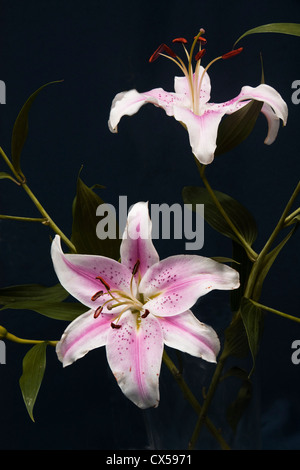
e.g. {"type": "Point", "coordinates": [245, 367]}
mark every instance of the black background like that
{"type": "Point", "coordinates": [99, 49]}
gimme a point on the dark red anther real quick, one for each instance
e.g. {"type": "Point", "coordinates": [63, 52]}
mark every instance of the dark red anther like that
{"type": "Point", "coordinates": [97, 312]}
{"type": "Point", "coordinates": [200, 54]}
{"type": "Point", "coordinates": [159, 50]}
{"type": "Point", "coordinates": [145, 314]}
{"type": "Point", "coordinates": [201, 39]}
{"type": "Point", "coordinates": [103, 282]}
{"type": "Point", "coordinates": [136, 267]}
{"type": "Point", "coordinates": [181, 40]}
{"type": "Point", "coordinates": [97, 295]}
{"type": "Point", "coordinates": [230, 54]}
{"type": "Point", "coordinates": [113, 325]}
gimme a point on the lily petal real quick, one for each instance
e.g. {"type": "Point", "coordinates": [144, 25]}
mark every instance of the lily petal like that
{"type": "Point", "coordinates": [137, 242]}
{"type": "Point", "coordinates": [134, 354]}
{"type": "Point", "coordinates": [78, 273]}
{"type": "Point", "coordinates": [174, 284]}
{"type": "Point", "coordinates": [81, 336]}
{"type": "Point", "coordinates": [186, 333]}
{"type": "Point", "coordinates": [129, 102]}
{"type": "Point", "coordinates": [202, 131]}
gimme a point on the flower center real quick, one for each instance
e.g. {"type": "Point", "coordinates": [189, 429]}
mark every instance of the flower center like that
{"type": "Point", "coordinates": [118, 298]}
{"type": "Point", "coordinates": [194, 76]}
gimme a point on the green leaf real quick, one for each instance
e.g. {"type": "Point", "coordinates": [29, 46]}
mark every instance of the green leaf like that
{"type": "Point", "coordinates": [32, 293]}
{"type": "Point", "coordinates": [239, 215]}
{"type": "Point", "coordinates": [84, 235]}
{"type": "Point", "coordinates": [268, 262]}
{"type": "Point", "coordinates": [236, 340]}
{"type": "Point", "coordinates": [47, 301]}
{"type": "Point", "coordinates": [243, 267]}
{"type": "Point", "coordinates": [253, 320]}
{"type": "Point", "coordinates": [4, 175]}
{"type": "Point", "coordinates": [20, 129]}
{"type": "Point", "coordinates": [282, 28]}
{"type": "Point", "coordinates": [236, 127]}
{"type": "Point", "coordinates": [34, 364]}
{"type": "Point", "coordinates": [237, 408]}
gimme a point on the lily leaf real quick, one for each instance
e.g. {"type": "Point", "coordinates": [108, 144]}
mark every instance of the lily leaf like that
{"type": "Point", "coordinates": [236, 341]}
{"type": "Point", "coordinates": [236, 127]}
{"type": "Point", "coordinates": [32, 293]}
{"type": "Point", "coordinates": [239, 215]}
{"type": "Point", "coordinates": [20, 129]}
{"type": "Point", "coordinates": [268, 262]}
{"type": "Point", "coordinates": [236, 409]}
{"type": "Point", "coordinates": [47, 301]}
{"type": "Point", "coordinates": [282, 28]}
{"type": "Point", "coordinates": [84, 235]}
{"type": "Point", "coordinates": [253, 320]}
{"type": "Point", "coordinates": [4, 175]}
{"type": "Point", "coordinates": [34, 364]}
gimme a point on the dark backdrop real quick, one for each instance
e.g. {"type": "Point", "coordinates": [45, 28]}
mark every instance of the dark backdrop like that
{"type": "Point", "coordinates": [100, 48]}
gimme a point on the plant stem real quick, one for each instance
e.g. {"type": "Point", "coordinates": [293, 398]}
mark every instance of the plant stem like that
{"type": "Point", "coordinates": [260, 259]}
{"type": "Point", "coordinates": [24, 219]}
{"type": "Point", "coordinates": [251, 253]}
{"type": "Point", "coordinates": [277, 312]}
{"type": "Point", "coordinates": [193, 401]}
{"type": "Point", "coordinates": [6, 335]}
{"type": "Point", "coordinates": [36, 202]}
{"type": "Point", "coordinates": [210, 394]}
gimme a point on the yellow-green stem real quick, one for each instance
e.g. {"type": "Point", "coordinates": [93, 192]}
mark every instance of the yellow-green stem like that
{"type": "Point", "coordinates": [193, 401]}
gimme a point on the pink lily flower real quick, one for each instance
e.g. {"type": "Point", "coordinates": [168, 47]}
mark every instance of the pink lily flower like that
{"type": "Point", "coordinates": [138, 305]}
{"type": "Point", "coordinates": [190, 103]}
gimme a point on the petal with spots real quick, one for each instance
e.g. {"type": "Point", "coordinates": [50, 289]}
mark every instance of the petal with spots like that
{"type": "Point", "coordinates": [137, 242]}
{"type": "Point", "coordinates": [174, 284]}
{"type": "Point", "coordinates": [187, 334]}
{"type": "Point", "coordinates": [134, 354]}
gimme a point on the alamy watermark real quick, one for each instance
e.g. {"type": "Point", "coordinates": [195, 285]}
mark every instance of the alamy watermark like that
{"type": "Point", "coordinates": [2, 92]}
{"type": "Point", "coordinates": [2, 352]}
{"type": "Point", "coordinates": [175, 221]}
{"type": "Point", "coordinates": [296, 94]}
{"type": "Point", "coordinates": [295, 357]}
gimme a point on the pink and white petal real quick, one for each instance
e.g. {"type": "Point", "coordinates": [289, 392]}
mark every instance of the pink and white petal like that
{"type": "Point", "coordinates": [186, 333]}
{"type": "Point", "coordinates": [77, 274]}
{"type": "Point", "coordinates": [273, 123]}
{"type": "Point", "coordinates": [173, 285]}
{"type": "Point", "coordinates": [129, 103]}
{"type": "Point", "coordinates": [137, 243]}
{"type": "Point", "coordinates": [134, 354]}
{"type": "Point", "coordinates": [262, 92]}
{"type": "Point", "coordinates": [82, 335]}
{"type": "Point", "coordinates": [202, 131]}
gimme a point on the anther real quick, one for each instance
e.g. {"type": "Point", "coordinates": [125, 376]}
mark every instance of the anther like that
{"type": "Point", "coordinates": [200, 54]}
{"type": "Point", "coordinates": [136, 267]}
{"type": "Point", "coordinates": [181, 40]}
{"type": "Point", "coordinates": [201, 39]}
{"type": "Point", "coordinates": [97, 312]}
{"type": "Point", "coordinates": [230, 54]}
{"type": "Point", "coordinates": [145, 314]}
{"type": "Point", "coordinates": [113, 325]}
{"type": "Point", "coordinates": [97, 295]}
{"type": "Point", "coordinates": [103, 282]}
{"type": "Point", "coordinates": [159, 50]}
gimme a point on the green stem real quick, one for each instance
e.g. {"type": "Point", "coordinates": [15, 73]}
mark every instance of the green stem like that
{"type": "Point", "coordinates": [6, 335]}
{"type": "Point", "coordinates": [277, 312]}
{"type": "Point", "coordinates": [193, 401]}
{"type": "Point", "coordinates": [251, 253]}
{"type": "Point", "coordinates": [260, 259]}
{"type": "Point", "coordinates": [210, 394]}
{"type": "Point", "coordinates": [24, 219]}
{"type": "Point", "coordinates": [290, 217]}
{"type": "Point", "coordinates": [36, 202]}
